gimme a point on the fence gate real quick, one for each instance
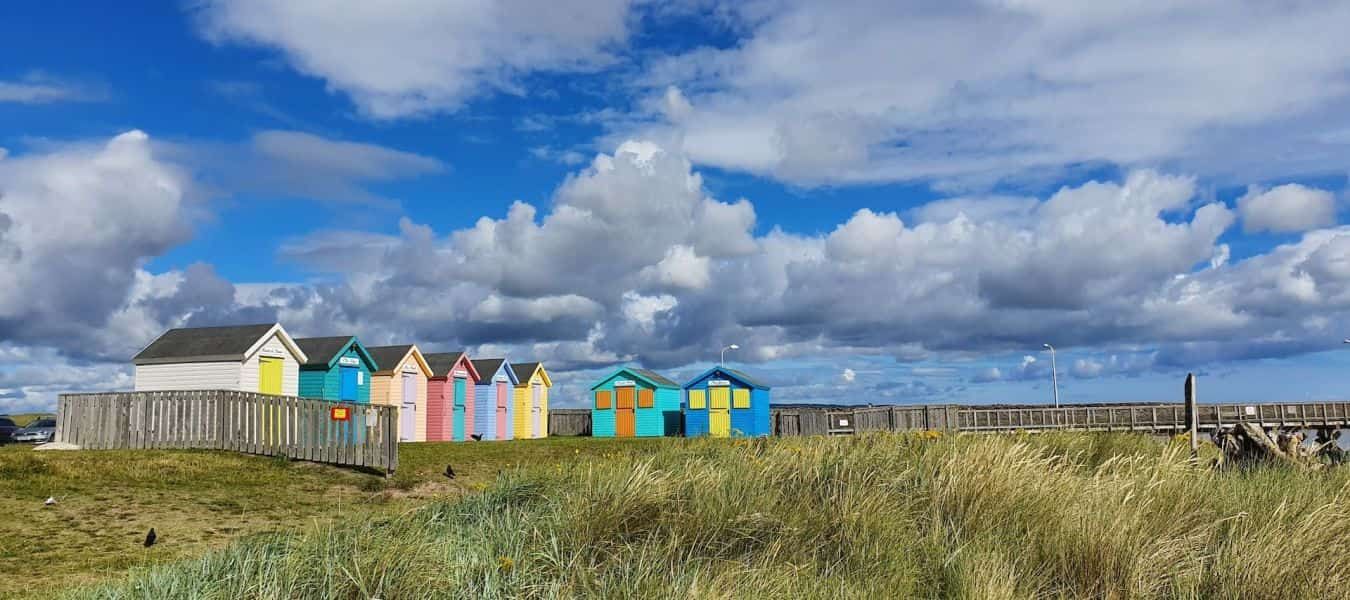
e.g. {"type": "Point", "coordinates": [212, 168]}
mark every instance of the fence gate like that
{"type": "Point", "coordinates": [840, 423]}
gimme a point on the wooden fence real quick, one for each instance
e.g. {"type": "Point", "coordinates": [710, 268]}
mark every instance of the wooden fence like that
{"type": "Point", "coordinates": [569, 421]}
{"type": "Point", "coordinates": [297, 428]}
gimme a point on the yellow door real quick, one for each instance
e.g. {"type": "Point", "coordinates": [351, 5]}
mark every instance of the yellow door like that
{"type": "Point", "coordinates": [269, 382]}
{"type": "Point", "coordinates": [269, 376]}
{"type": "Point", "coordinates": [719, 419]}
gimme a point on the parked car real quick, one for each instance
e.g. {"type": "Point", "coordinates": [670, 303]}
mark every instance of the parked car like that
{"type": "Point", "coordinates": [40, 431]}
{"type": "Point", "coordinates": [7, 429]}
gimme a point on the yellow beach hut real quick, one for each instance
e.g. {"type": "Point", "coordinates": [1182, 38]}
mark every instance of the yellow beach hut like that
{"type": "Point", "coordinates": [531, 400]}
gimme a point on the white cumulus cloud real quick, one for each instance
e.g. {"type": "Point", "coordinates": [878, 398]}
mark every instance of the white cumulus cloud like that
{"type": "Point", "coordinates": [875, 90]}
{"type": "Point", "coordinates": [1286, 208]}
{"type": "Point", "coordinates": [419, 57]}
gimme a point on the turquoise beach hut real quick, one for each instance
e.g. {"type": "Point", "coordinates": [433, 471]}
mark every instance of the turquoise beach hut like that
{"type": "Point", "coordinates": [337, 368]}
{"type": "Point", "coordinates": [724, 402]}
{"type": "Point", "coordinates": [632, 402]}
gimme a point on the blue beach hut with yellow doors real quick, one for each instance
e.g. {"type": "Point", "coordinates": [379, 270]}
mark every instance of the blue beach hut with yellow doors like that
{"type": "Point", "coordinates": [724, 402]}
{"type": "Point", "coordinates": [632, 402]}
{"type": "Point", "coordinates": [338, 368]}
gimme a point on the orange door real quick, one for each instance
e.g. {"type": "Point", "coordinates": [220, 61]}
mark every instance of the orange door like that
{"type": "Point", "coordinates": [625, 424]}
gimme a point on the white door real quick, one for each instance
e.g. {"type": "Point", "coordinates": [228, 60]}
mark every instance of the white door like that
{"type": "Point", "coordinates": [538, 411]}
{"type": "Point", "coordinates": [407, 414]}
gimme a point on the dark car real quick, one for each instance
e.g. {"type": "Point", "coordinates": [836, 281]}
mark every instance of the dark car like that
{"type": "Point", "coordinates": [40, 431]}
{"type": "Point", "coordinates": [7, 429]}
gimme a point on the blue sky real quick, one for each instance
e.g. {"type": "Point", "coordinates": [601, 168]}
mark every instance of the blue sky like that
{"type": "Point", "coordinates": [881, 202]}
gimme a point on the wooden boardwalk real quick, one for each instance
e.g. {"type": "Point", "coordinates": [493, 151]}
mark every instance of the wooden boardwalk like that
{"type": "Point", "coordinates": [298, 428]}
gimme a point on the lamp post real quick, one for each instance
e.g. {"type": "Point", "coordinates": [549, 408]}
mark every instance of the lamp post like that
{"type": "Point", "coordinates": [1054, 372]}
{"type": "Point", "coordinates": [722, 361]}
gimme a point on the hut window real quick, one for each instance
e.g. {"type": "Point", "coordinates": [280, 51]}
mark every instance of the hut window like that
{"type": "Point", "coordinates": [740, 398]}
{"type": "Point", "coordinates": [602, 400]}
{"type": "Point", "coordinates": [698, 399]}
{"type": "Point", "coordinates": [646, 399]}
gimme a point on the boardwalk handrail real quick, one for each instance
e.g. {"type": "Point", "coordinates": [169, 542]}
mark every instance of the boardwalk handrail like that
{"type": "Point", "coordinates": [1152, 417]}
{"type": "Point", "coordinates": [298, 428]}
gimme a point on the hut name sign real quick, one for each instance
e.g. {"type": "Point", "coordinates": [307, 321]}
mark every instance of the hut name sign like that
{"type": "Point", "coordinates": [461, 373]}
{"type": "Point", "coordinates": [349, 361]}
{"type": "Point", "coordinates": [719, 383]}
{"type": "Point", "coordinates": [624, 383]}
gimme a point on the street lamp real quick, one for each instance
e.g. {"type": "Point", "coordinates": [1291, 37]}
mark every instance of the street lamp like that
{"type": "Point", "coordinates": [721, 361]}
{"type": "Point", "coordinates": [1054, 372]}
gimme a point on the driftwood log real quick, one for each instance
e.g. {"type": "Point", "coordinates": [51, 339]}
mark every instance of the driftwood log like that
{"type": "Point", "coordinates": [1249, 443]}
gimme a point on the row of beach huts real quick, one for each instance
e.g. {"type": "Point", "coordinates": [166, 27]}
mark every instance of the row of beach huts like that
{"type": "Point", "coordinates": [445, 396]}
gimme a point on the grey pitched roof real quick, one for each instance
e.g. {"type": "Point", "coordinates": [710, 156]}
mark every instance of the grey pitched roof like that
{"type": "Point", "coordinates": [524, 370]}
{"type": "Point", "coordinates": [387, 357]}
{"type": "Point", "coordinates": [202, 344]}
{"type": "Point", "coordinates": [748, 380]}
{"type": "Point", "coordinates": [486, 367]}
{"type": "Point", "coordinates": [655, 377]}
{"type": "Point", "coordinates": [442, 362]}
{"type": "Point", "coordinates": [320, 350]}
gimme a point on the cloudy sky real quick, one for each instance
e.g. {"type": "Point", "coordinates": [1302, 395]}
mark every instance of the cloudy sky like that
{"type": "Point", "coordinates": [878, 201]}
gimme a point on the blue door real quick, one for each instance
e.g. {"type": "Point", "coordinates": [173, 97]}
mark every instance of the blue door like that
{"type": "Point", "coordinates": [459, 410]}
{"type": "Point", "coordinates": [348, 392]}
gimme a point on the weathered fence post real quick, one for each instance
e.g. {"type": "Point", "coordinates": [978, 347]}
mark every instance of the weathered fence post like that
{"type": "Point", "coordinates": [1192, 415]}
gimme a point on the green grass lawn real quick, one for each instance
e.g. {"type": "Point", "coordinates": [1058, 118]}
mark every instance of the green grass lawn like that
{"type": "Point", "coordinates": [878, 515]}
{"type": "Point", "coordinates": [199, 500]}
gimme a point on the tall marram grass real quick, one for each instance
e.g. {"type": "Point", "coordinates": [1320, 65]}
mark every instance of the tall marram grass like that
{"type": "Point", "coordinates": [877, 516]}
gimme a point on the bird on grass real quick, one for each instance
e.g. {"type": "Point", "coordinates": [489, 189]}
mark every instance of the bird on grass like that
{"type": "Point", "coordinates": [150, 538]}
{"type": "Point", "coordinates": [449, 472]}
{"type": "Point", "coordinates": [477, 437]}
{"type": "Point", "coordinates": [50, 501]}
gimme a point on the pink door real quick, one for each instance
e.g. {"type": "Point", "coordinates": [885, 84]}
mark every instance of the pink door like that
{"type": "Point", "coordinates": [503, 423]}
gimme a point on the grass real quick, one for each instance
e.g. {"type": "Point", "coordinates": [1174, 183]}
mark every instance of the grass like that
{"type": "Point", "coordinates": [885, 515]}
{"type": "Point", "coordinates": [200, 500]}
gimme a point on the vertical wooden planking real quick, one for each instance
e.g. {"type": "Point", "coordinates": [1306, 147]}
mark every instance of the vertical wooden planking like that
{"type": "Point", "coordinates": [316, 443]}
{"type": "Point", "coordinates": [240, 423]}
{"type": "Point", "coordinates": [273, 424]}
{"type": "Point", "coordinates": [371, 422]}
{"type": "Point", "coordinates": [311, 432]}
{"type": "Point", "coordinates": [345, 438]}
{"type": "Point", "coordinates": [264, 424]}
{"type": "Point", "coordinates": [228, 432]}
{"type": "Point", "coordinates": [148, 441]}
{"type": "Point", "coordinates": [292, 408]}
{"type": "Point", "coordinates": [358, 429]}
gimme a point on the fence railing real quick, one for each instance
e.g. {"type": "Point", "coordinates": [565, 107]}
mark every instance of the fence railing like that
{"type": "Point", "coordinates": [298, 428]}
{"type": "Point", "coordinates": [1160, 418]}
{"type": "Point", "coordinates": [1156, 418]}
